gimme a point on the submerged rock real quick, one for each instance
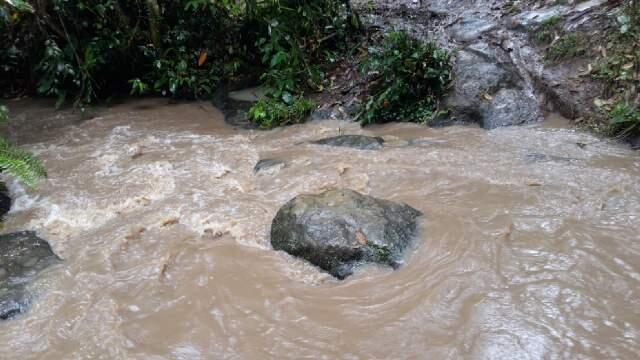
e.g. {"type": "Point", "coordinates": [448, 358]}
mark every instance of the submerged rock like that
{"type": "Point", "coordinates": [361, 142]}
{"type": "Point", "coordinates": [539, 158]}
{"type": "Point", "coordinates": [265, 164]}
{"type": "Point", "coordinates": [339, 229]}
{"type": "Point", "coordinates": [22, 256]}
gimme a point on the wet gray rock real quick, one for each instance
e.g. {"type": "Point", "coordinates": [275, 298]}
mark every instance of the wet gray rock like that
{"type": "Point", "coordinates": [531, 19]}
{"type": "Point", "coordinates": [22, 256]}
{"type": "Point", "coordinates": [489, 90]}
{"type": "Point", "coordinates": [510, 107]}
{"type": "Point", "coordinates": [265, 164]}
{"type": "Point", "coordinates": [469, 29]}
{"type": "Point", "coordinates": [5, 201]}
{"type": "Point", "coordinates": [339, 229]}
{"type": "Point", "coordinates": [361, 142]}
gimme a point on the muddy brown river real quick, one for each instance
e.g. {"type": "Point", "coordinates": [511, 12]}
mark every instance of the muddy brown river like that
{"type": "Point", "coordinates": [529, 248]}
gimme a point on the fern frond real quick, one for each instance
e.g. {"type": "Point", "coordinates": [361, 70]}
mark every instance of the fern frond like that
{"type": "Point", "coordinates": [20, 164]}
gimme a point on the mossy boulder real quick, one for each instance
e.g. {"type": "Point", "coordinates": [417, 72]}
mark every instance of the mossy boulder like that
{"type": "Point", "coordinates": [340, 229]}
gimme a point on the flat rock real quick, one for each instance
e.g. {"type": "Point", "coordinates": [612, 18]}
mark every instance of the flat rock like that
{"type": "Point", "coordinates": [470, 28]}
{"type": "Point", "coordinates": [534, 18]}
{"type": "Point", "coordinates": [361, 142]}
{"type": "Point", "coordinates": [22, 256]}
{"type": "Point", "coordinates": [248, 95]}
{"type": "Point", "coordinates": [339, 229]}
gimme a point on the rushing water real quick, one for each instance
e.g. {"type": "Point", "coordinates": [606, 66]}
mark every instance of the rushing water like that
{"type": "Point", "coordinates": [164, 229]}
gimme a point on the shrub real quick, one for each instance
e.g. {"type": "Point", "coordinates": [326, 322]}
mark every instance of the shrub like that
{"type": "Point", "coordinates": [298, 40]}
{"type": "Point", "coordinates": [86, 50]}
{"type": "Point", "coordinates": [269, 112]}
{"type": "Point", "coordinates": [17, 162]}
{"type": "Point", "coordinates": [624, 119]}
{"type": "Point", "coordinates": [193, 46]}
{"type": "Point", "coordinates": [408, 77]}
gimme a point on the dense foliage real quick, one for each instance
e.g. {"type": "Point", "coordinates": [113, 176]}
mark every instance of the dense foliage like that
{"type": "Point", "coordinates": [299, 44]}
{"type": "Point", "coordinates": [17, 162]}
{"type": "Point", "coordinates": [408, 77]}
{"type": "Point", "coordinates": [91, 49]}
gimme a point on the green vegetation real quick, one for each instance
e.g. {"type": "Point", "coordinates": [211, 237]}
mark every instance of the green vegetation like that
{"type": "Point", "coordinates": [407, 78]}
{"type": "Point", "coordinates": [299, 44]}
{"type": "Point", "coordinates": [88, 50]}
{"type": "Point", "coordinates": [269, 113]}
{"type": "Point", "coordinates": [620, 70]}
{"type": "Point", "coordinates": [560, 45]}
{"type": "Point", "coordinates": [568, 46]}
{"type": "Point", "coordinates": [546, 32]}
{"type": "Point", "coordinates": [382, 252]}
{"type": "Point", "coordinates": [17, 162]}
{"type": "Point", "coordinates": [85, 50]}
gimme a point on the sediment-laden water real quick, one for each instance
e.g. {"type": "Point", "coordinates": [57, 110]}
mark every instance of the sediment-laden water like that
{"type": "Point", "coordinates": [530, 247]}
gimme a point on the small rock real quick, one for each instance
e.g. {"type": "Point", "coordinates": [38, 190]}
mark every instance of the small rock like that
{"type": "Point", "coordinates": [22, 256]}
{"type": "Point", "coordinates": [339, 229]}
{"type": "Point", "coordinates": [353, 141]}
{"type": "Point", "coordinates": [267, 164]}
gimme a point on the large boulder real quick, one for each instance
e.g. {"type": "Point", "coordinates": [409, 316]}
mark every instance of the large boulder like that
{"type": "Point", "coordinates": [489, 90]}
{"type": "Point", "coordinates": [22, 256]}
{"type": "Point", "coordinates": [339, 229]}
{"type": "Point", "coordinates": [361, 142]}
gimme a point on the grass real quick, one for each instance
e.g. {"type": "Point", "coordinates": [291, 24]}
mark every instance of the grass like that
{"type": "Point", "coordinates": [568, 46]}
{"type": "Point", "coordinates": [545, 33]}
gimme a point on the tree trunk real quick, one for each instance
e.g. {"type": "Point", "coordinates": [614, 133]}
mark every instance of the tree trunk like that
{"type": "Point", "coordinates": [154, 19]}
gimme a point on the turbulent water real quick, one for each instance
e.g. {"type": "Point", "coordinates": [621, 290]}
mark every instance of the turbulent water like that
{"type": "Point", "coordinates": [529, 248]}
